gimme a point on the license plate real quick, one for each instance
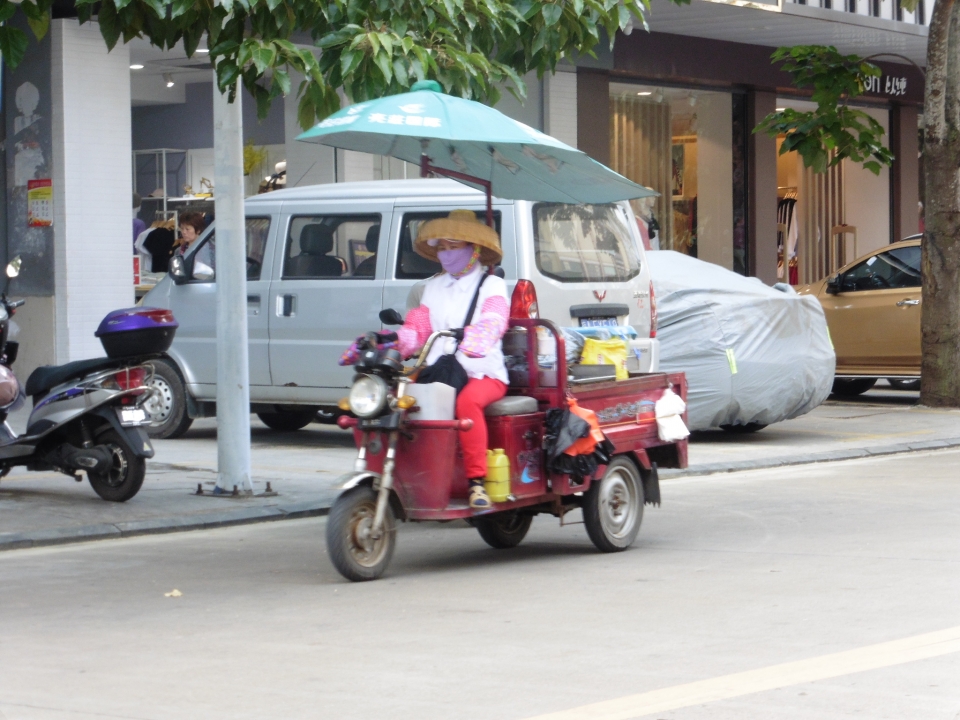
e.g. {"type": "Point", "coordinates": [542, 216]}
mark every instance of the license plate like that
{"type": "Point", "coordinates": [598, 322]}
{"type": "Point", "coordinates": [132, 416]}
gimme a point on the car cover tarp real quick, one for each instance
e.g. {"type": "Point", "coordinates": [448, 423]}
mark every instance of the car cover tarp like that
{"type": "Point", "coordinates": [752, 353]}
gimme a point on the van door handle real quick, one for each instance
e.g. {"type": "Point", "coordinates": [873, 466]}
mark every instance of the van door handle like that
{"type": "Point", "coordinates": [287, 305]}
{"type": "Point", "coordinates": [908, 302]}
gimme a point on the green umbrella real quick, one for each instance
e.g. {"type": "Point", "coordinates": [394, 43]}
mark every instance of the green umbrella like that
{"type": "Point", "coordinates": [475, 144]}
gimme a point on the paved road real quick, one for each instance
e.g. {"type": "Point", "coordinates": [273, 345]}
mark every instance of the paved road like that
{"type": "Point", "coordinates": [838, 571]}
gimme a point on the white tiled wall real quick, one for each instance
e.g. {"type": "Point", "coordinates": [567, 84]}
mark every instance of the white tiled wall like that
{"type": "Point", "coordinates": [561, 107]}
{"type": "Point", "coordinates": [92, 185]}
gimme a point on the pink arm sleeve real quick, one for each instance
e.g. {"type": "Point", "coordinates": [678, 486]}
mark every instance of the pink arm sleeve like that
{"type": "Point", "coordinates": [483, 335]}
{"type": "Point", "coordinates": [415, 330]}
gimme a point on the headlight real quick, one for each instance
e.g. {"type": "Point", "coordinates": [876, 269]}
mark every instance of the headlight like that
{"type": "Point", "coordinates": [368, 396]}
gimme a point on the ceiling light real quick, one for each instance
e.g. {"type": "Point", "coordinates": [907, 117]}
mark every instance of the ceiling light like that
{"type": "Point", "coordinates": [645, 92]}
{"type": "Point", "coordinates": [136, 66]}
{"type": "Point", "coordinates": [692, 101]}
{"type": "Point", "coordinates": [203, 50]}
{"type": "Point", "coordinates": [659, 96]}
{"type": "Point", "coordinates": [780, 109]}
{"type": "Point", "coordinates": [168, 78]}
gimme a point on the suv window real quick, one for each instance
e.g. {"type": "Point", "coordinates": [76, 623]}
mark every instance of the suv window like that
{"type": "Point", "coordinates": [584, 243]}
{"type": "Point", "coordinates": [257, 230]}
{"type": "Point", "coordinates": [411, 266]}
{"type": "Point", "coordinates": [332, 246]}
{"type": "Point", "coordinates": [899, 268]}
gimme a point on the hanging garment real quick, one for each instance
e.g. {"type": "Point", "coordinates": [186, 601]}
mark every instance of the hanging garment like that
{"type": "Point", "coordinates": [787, 215]}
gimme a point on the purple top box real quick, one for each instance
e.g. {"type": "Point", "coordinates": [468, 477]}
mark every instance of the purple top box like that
{"type": "Point", "coordinates": [136, 318]}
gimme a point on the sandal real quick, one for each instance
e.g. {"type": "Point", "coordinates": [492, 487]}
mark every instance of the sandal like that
{"type": "Point", "coordinates": [479, 500]}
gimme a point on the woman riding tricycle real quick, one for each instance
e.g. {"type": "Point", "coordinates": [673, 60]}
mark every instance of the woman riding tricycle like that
{"type": "Point", "coordinates": [556, 446]}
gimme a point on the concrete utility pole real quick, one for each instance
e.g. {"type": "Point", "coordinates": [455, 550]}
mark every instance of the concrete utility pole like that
{"type": "Point", "coordinates": [233, 363]}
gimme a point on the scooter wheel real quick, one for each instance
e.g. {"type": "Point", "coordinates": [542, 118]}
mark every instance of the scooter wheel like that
{"type": "Point", "coordinates": [354, 553]}
{"type": "Point", "coordinates": [503, 530]}
{"type": "Point", "coordinates": [613, 507]}
{"type": "Point", "coordinates": [122, 480]}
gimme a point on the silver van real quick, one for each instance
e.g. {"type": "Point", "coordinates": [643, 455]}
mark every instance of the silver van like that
{"type": "Point", "coordinates": [322, 261]}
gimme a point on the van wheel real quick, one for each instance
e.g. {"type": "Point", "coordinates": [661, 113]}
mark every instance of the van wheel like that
{"type": "Point", "coordinates": [288, 420]}
{"type": "Point", "coordinates": [904, 384]}
{"type": "Point", "coordinates": [167, 408]}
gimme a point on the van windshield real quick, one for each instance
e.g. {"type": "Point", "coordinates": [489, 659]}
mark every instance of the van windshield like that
{"type": "Point", "coordinates": [584, 243]}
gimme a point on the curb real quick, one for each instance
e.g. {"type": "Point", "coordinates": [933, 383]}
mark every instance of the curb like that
{"type": "Point", "coordinates": [248, 516]}
{"type": "Point", "coordinates": [157, 526]}
{"type": "Point", "coordinates": [832, 456]}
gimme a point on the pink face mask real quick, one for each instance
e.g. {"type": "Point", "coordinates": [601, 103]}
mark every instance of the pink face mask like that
{"type": "Point", "coordinates": [455, 261]}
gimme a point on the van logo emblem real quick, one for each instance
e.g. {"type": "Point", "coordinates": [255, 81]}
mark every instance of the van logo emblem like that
{"type": "Point", "coordinates": [599, 295]}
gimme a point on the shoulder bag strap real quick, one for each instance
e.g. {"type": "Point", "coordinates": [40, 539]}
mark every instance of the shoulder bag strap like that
{"type": "Point", "coordinates": [473, 303]}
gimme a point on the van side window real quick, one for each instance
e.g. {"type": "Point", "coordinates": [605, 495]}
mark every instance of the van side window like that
{"type": "Point", "coordinates": [332, 246]}
{"type": "Point", "coordinates": [411, 266]}
{"type": "Point", "coordinates": [258, 228]}
{"type": "Point", "coordinates": [584, 243]}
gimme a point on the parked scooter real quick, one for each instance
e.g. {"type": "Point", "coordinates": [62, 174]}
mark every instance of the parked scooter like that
{"type": "Point", "coordinates": [88, 415]}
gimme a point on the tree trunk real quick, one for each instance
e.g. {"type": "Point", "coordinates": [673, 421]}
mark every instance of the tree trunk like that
{"type": "Point", "coordinates": [940, 318]}
{"type": "Point", "coordinates": [233, 363]}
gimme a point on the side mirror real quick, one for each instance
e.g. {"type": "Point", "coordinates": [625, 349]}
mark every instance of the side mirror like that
{"type": "Point", "coordinates": [389, 316]}
{"type": "Point", "coordinates": [13, 269]}
{"type": "Point", "coordinates": [833, 285]}
{"type": "Point", "coordinates": [203, 272]}
{"type": "Point", "coordinates": [177, 271]}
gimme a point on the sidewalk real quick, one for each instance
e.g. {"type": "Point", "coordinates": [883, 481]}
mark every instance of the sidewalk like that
{"type": "Point", "coordinates": [303, 467]}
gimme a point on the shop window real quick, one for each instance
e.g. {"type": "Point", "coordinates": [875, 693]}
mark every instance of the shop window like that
{"type": "Point", "coordinates": [332, 246]}
{"type": "Point", "coordinates": [680, 143]}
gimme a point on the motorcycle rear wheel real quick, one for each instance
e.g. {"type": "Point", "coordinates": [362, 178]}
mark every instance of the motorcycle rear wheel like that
{"type": "Point", "coordinates": [613, 507]}
{"type": "Point", "coordinates": [123, 479]}
{"type": "Point", "coordinates": [355, 554]}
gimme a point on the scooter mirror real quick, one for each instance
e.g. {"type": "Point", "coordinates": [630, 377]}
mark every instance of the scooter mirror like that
{"type": "Point", "coordinates": [389, 316]}
{"type": "Point", "coordinates": [13, 268]}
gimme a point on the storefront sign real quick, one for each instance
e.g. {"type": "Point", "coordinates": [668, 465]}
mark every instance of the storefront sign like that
{"type": "Point", "coordinates": [887, 85]}
{"type": "Point", "coordinates": [40, 203]}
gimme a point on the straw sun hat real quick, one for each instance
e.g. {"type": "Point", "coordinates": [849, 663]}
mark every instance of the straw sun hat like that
{"type": "Point", "coordinates": [459, 225]}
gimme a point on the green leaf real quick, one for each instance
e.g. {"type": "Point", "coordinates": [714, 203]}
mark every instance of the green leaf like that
{"type": "Point", "coordinates": [386, 66]}
{"type": "Point", "coordinates": [282, 80]}
{"type": "Point", "coordinates": [551, 14]}
{"type": "Point", "coordinates": [227, 74]}
{"type": "Point", "coordinates": [263, 58]}
{"type": "Point", "coordinates": [349, 62]}
{"type": "Point", "coordinates": [13, 45]}
{"type": "Point", "coordinates": [7, 10]}
{"type": "Point", "coordinates": [110, 27]}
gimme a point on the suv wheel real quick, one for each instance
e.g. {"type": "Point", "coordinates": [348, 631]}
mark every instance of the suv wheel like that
{"type": "Point", "coordinates": [168, 406]}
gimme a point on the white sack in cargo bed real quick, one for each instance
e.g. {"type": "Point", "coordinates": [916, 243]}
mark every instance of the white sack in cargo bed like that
{"type": "Point", "coordinates": [752, 353]}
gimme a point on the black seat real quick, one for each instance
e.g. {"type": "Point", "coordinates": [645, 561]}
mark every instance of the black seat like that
{"type": "Point", "coordinates": [368, 268]}
{"type": "Point", "coordinates": [49, 376]}
{"type": "Point", "coordinates": [316, 241]}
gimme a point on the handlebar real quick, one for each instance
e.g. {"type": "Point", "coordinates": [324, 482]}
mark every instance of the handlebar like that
{"type": "Point", "coordinates": [428, 345]}
{"type": "Point", "coordinates": [15, 303]}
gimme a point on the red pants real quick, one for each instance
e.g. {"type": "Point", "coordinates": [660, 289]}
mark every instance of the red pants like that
{"type": "Point", "coordinates": [470, 404]}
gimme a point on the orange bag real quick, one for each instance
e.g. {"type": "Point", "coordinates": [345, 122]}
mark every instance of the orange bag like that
{"type": "Point", "coordinates": [585, 445]}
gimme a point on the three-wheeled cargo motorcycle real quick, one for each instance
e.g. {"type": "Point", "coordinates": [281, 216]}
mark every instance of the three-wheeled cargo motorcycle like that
{"type": "Point", "coordinates": [409, 469]}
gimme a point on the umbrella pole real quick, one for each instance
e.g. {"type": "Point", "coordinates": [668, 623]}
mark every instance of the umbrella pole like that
{"type": "Point", "coordinates": [426, 169]}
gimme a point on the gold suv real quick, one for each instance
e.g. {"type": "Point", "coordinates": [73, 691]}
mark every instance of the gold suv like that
{"type": "Point", "coordinates": [872, 307]}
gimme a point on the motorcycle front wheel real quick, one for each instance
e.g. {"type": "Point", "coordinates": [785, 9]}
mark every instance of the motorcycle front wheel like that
{"type": "Point", "coordinates": [353, 551]}
{"type": "Point", "coordinates": [122, 480]}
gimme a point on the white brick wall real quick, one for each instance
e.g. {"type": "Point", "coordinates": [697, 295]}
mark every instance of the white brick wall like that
{"type": "Point", "coordinates": [560, 107]}
{"type": "Point", "coordinates": [92, 185]}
